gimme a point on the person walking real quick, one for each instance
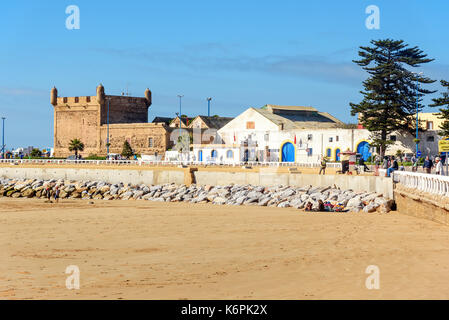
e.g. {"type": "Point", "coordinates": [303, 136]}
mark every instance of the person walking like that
{"type": "Point", "coordinates": [427, 166]}
{"type": "Point", "coordinates": [385, 163]}
{"type": "Point", "coordinates": [48, 193]}
{"type": "Point", "coordinates": [323, 165]}
{"type": "Point", "coordinates": [414, 161]}
{"type": "Point", "coordinates": [56, 195]}
{"type": "Point", "coordinates": [438, 166]}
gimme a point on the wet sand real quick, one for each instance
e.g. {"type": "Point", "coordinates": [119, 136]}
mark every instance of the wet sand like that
{"type": "Point", "coordinates": [148, 250]}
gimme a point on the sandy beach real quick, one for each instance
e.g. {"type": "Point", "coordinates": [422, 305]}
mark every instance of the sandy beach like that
{"type": "Point", "coordinates": [147, 250]}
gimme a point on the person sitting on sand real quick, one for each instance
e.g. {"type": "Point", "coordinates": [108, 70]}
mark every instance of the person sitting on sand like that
{"type": "Point", "coordinates": [320, 206]}
{"type": "Point", "coordinates": [308, 206]}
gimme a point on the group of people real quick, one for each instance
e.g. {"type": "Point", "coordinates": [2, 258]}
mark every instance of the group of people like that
{"type": "Point", "coordinates": [49, 193]}
{"type": "Point", "coordinates": [327, 206]}
{"type": "Point", "coordinates": [390, 163]}
{"type": "Point", "coordinates": [428, 164]}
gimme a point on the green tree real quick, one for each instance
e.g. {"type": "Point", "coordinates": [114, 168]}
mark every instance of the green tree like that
{"type": "Point", "coordinates": [76, 145]}
{"type": "Point", "coordinates": [127, 151]}
{"type": "Point", "coordinates": [389, 95]}
{"type": "Point", "coordinates": [443, 101]}
{"type": "Point", "coordinates": [400, 154]}
{"type": "Point", "coordinates": [36, 153]}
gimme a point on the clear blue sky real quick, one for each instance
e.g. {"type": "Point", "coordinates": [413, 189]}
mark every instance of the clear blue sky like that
{"type": "Point", "coordinates": [242, 53]}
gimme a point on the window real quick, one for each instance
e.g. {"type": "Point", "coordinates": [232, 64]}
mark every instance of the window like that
{"type": "Point", "coordinates": [336, 138]}
{"type": "Point", "coordinates": [77, 99]}
{"type": "Point", "coordinates": [309, 137]}
{"type": "Point", "coordinates": [431, 139]}
{"type": "Point", "coordinates": [150, 142]}
{"type": "Point", "coordinates": [266, 137]}
{"type": "Point", "coordinates": [309, 152]}
{"type": "Point", "coordinates": [229, 154]}
{"type": "Point", "coordinates": [393, 138]}
{"type": "Point", "coordinates": [250, 125]}
{"type": "Point", "coordinates": [88, 99]}
{"type": "Point", "coordinates": [328, 152]}
{"type": "Point", "coordinates": [331, 139]}
{"type": "Point", "coordinates": [213, 153]}
{"type": "Point", "coordinates": [429, 125]}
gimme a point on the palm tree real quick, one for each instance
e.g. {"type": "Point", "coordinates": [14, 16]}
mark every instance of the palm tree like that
{"type": "Point", "coordinates": [76, 145]}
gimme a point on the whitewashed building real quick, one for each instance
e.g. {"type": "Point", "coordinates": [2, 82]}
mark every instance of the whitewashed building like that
{"type": "Point", "coordinates": [290, 134]}
{"type": "Point", "coordinates": [303, 134]}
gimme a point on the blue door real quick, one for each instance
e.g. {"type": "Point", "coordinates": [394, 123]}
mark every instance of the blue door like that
{"type": "Point", "coordinates": [363, 149]}
{"type": "Point", "coordinates": [214, 153]}
{"type": "Point", "coordinates": [200, 155]}
{"type": "Point", "coordinates": [337, 154]}
{"type": "Point", "coordinates": [288, 152]}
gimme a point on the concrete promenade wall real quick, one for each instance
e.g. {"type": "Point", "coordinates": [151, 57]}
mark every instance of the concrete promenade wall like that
{"type": "Point", "coordinates": [204, 177]}
{"type": "Point", "coordinates": [423, 205]}
{"type": "Point", "coordinates": [108, 175]}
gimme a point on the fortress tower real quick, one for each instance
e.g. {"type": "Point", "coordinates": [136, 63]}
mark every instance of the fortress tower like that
{"type": "Point", "coordinates": [86, 118]}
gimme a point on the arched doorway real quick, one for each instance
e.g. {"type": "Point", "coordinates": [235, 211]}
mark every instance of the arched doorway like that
{"type": "Point", "coordinates": [363, 148]}
{"type": "Point", "coordinates": [288, 152]}
{"type": "Point", "coordinates": [214, 154]}
{"type": "Point", "coordinates": [246, 155]}
{"type": "Point", "coordinates": [200, 155]}
{"type": "Point", "coordinates": [337, 154]}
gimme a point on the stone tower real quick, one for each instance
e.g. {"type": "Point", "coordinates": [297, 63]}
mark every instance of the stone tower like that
{"type": "Point", "coordinates": [86, 118]}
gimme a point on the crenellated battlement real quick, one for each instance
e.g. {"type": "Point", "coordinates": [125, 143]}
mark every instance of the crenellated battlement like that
{"type": "Point", "coordinates": [101, 98]}
{"type": "Point", "coordinates": [75, 100]}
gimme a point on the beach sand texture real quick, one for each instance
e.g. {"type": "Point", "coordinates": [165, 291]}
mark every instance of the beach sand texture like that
{"type": "Point", "coordinates": [152, 250]}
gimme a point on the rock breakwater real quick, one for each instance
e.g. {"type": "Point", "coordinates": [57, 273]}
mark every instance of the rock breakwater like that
{"type": "Point", "coordinates": [279, 196]}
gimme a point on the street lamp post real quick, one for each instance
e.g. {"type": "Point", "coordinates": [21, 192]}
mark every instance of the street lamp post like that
{"type": "Point", "coordinates": [417, 104]}
{"type": "Point", "coordinates": [3, 137]}
{"type": "Point", "coordinates": [107, 138]}
{"type": "Point", "coordinates": [208, 106]}
{"type": "Point", "coordinates": [180, 114]}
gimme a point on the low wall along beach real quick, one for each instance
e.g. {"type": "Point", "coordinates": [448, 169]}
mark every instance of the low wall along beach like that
{"type": "Point", "coordinates": [203, 176]}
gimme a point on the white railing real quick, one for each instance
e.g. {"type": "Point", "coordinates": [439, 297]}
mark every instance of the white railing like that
{"type": "Point", "coordinates": [167, 163]}
{"type": "Point", "coordinates": [431, 183]}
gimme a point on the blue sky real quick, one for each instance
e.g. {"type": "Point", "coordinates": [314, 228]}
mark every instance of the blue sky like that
{"type": "Point", "coordinates": [242, 53]}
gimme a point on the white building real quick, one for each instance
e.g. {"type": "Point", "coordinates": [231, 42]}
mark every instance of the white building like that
{"type": "Point", "coordinates": [290, 134]}
{"type": "Point", "coordinates": [302, 134]}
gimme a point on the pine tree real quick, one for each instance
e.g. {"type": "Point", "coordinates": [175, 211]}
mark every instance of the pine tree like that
{"type": "Point", "coordinates": [127, 151]}
{"type": "Point", "coordinates": [444, 112]}
{"type": "Point", "coordinates": [389, 95]}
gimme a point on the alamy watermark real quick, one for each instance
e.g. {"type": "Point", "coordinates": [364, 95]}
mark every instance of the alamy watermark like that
{"type": "Point", "coordinates": [373, 20]}
{"type": "Point", "coordinates": [73, 20]}
{"type": "Point", "coordinates": [72, 281]}
{"type": "Point", "coordinates": [373, 280]}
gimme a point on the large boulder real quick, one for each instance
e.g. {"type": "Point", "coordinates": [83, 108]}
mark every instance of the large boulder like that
{"type": "Point", "coordinates": [354, 203]}
{"type": "Point", "coordinates": [219, 200]}
{"type": "Point", "coordinates": [28, 193]}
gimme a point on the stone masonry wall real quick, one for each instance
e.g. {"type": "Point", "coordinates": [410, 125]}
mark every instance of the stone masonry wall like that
{"type": "Point", "coordinates": [124, 109]}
